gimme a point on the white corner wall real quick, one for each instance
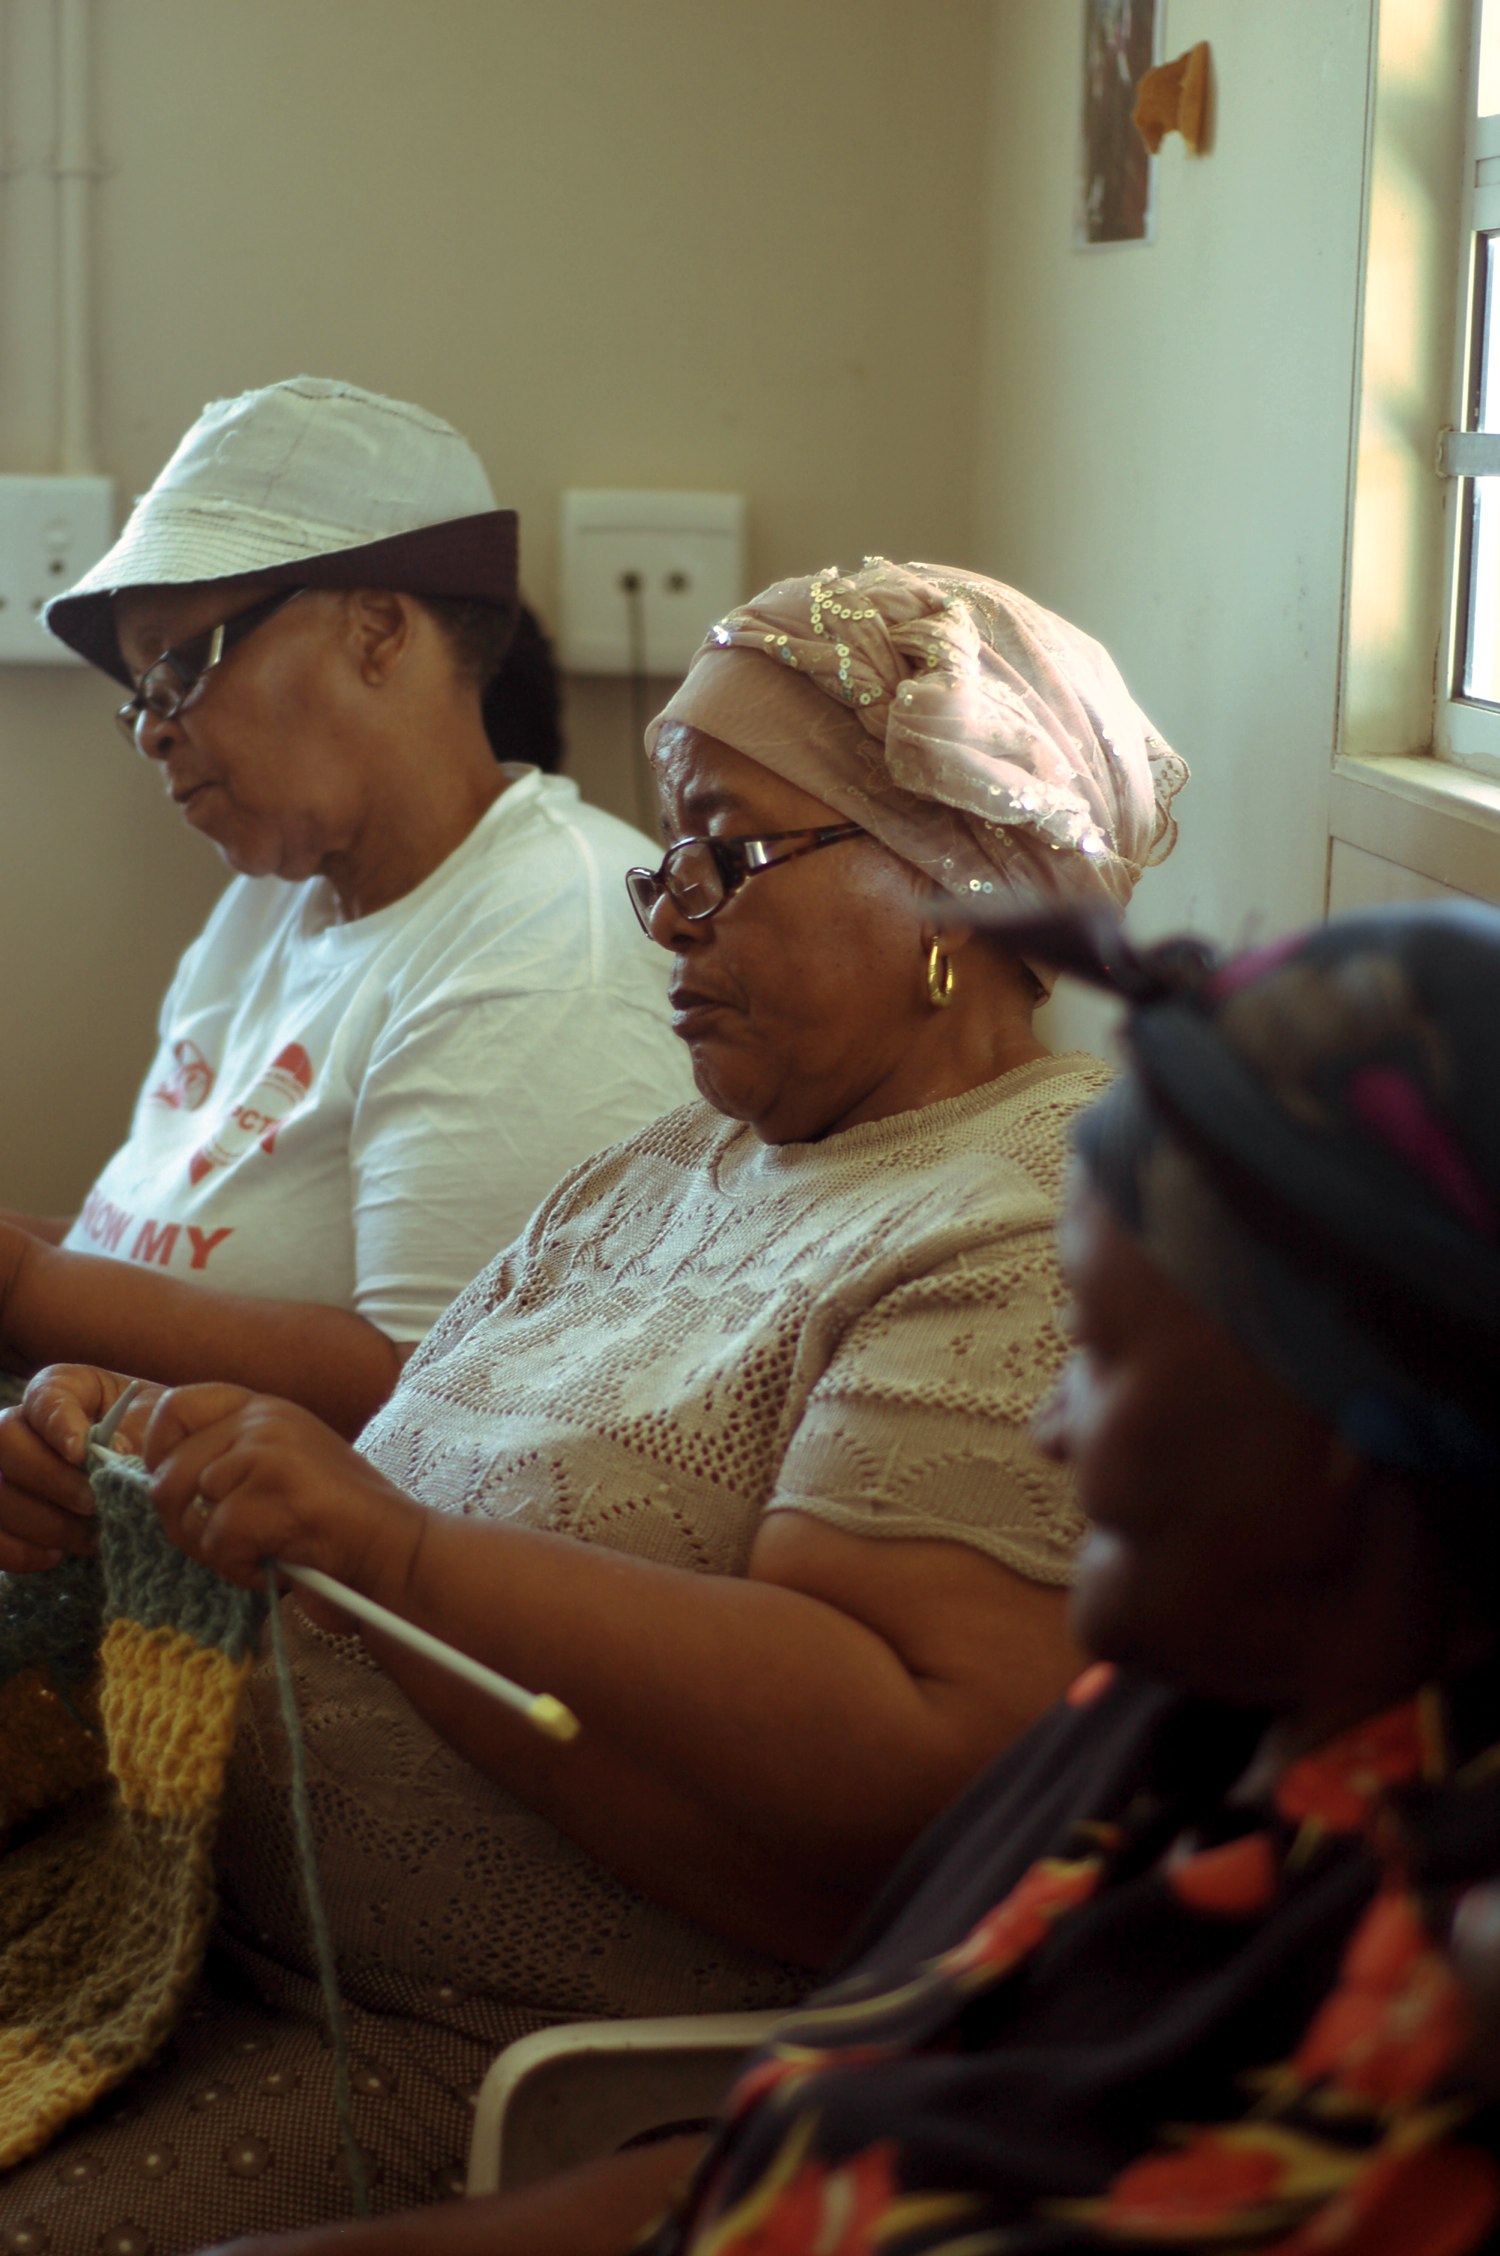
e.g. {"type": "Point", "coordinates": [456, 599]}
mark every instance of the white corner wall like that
{"type": "Point", "coordinates": [1165, 430]}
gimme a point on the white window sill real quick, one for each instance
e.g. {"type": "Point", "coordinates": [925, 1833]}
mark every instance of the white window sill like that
{"type": "Point", "coordinates": [1441, 822]}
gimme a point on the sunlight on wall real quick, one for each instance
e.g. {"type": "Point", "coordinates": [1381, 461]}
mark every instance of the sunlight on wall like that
{"type": "Point", "coordinates": [1397, 535]}
{"type": "Point", "coordinates": [1166, 447]}
{"type": "Point", "coordinates": [1489, 59]}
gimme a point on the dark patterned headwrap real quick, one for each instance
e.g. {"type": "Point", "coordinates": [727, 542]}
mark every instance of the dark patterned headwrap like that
{"type": "Point", "coordinates": [1309, 1146]}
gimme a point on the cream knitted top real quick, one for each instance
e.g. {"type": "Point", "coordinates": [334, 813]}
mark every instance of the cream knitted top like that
{"type": "Point", "coordinates": [695, 1329]}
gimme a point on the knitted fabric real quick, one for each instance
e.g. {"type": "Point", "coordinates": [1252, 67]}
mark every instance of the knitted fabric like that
{"type": "Point", "coordinates": [120, 1683]}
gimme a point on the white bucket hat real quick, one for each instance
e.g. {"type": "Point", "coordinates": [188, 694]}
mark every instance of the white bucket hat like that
{"type": "Point", "coordinates": [308, 483]}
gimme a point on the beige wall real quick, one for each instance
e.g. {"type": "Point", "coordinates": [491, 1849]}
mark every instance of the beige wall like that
{"type": "Point", "coordinates": [1165, 431]}
{"type": "Point", "coordinates": [819, 255]}
{"type": "Point", "coordinates": [655, 243]}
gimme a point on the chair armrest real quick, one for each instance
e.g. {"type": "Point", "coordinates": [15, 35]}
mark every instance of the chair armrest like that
{"type": "Point", "coordinates": [586, 2088]}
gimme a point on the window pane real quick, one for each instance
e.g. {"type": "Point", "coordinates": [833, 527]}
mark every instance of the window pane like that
{"type": "Point", "coordinates": [1482, 657]}
{"type": "Point", "coordinates": [1489, 58]}
{"type": "Point", "coordinates": [1479, 675]}
{"type": "Point", "coordinates": [1486, 345]}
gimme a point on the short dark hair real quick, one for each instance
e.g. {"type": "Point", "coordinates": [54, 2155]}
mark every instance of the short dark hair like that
{"type": "Point", "coordinates": [479, 634]}
{"type": "Point", "coordinates": [522, 703]}
{"type": "Point", "coordinates": [509, 660]}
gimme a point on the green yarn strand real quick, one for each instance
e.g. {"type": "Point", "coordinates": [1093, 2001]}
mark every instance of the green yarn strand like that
{"type": "Point", "coordinates": [307, 1861]}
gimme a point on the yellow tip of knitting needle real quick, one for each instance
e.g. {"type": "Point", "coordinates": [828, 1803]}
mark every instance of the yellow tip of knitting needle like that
{"type": "Point", "coordinates": [542, 1710]}
{"type": "Point", "coordinates": [549, 1715]}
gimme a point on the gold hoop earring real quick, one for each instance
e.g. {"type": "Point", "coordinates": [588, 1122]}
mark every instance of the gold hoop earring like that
{"type": "Point", "coordinates": [939, 977]}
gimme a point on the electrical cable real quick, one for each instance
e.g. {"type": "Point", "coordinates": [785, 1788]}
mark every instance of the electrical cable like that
{"type": "Point", "coordinates": [633, 588]}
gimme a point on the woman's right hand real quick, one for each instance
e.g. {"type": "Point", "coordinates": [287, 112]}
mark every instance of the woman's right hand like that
{"type": "Point", "coordinates": [239, 1478]}
{"type": "Point", "coordinates": [46, 1506]}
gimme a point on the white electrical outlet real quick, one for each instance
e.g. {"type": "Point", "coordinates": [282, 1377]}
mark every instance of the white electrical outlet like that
{"type": "Point", "coordinates": [644, 575]}
{"type": "Point", "coordinates": [51, 531]}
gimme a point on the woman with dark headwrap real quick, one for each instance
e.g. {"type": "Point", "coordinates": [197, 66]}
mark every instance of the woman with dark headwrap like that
{"type": "Point", "coordinates": [1174, 1974]}
{"type": "Point", "coordinates": [729, 1450]}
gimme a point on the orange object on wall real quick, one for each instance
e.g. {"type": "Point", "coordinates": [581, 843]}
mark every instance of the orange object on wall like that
{"type": "Point", "coordinates": [1173, 98]}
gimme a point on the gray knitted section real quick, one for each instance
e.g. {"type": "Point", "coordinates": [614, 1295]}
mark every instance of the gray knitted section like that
{"type": "Point", "coordinates": [148, 1580]}
{"type": "Point", "coordinates": [56, 1619]}
{"type": "Point", "coordinates": [53, 1619]}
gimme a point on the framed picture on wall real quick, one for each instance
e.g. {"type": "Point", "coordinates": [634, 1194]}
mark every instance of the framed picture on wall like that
{"type": "Point", "coordinates": [1120, 44]}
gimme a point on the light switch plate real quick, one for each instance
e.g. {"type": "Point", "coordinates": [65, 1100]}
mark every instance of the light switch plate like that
{"type": "Point", "coordinates": [644, 576]}
{"type": "Point", "coordinates": [51, 531]}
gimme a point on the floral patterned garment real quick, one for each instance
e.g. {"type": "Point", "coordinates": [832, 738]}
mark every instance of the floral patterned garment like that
{"type": "Point", "coordinates": [1109, 2007]}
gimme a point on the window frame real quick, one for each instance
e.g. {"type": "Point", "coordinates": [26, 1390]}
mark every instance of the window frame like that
{"type": "Point", "coordinates": [1391, 797]}
{"type": "Point", "coordinates": [1466, 730]}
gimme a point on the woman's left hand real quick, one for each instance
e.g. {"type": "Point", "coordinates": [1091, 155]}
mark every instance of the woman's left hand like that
{"type": "Point", "coordinates": [239, 1478]}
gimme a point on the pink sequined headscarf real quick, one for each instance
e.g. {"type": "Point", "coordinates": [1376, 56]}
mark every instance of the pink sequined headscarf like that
{"type": "Point", "coordinates": [976, 735]}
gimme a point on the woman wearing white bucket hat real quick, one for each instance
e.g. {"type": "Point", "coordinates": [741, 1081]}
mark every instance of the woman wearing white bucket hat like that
{"type": "Point", "coordinates": [423, 996]}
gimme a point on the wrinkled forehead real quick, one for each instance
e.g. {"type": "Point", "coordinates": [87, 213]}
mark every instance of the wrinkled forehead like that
{"type": "Point", "coordinates": [700, 778]}
{"type": "Point", "coordinates": [1111, 1275]}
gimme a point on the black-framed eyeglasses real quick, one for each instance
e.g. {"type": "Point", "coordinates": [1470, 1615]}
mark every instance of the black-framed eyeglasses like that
{"type": "Point", "coordinates": [170, 680]}
{"type": "Point", "coordinates": [698, 875]}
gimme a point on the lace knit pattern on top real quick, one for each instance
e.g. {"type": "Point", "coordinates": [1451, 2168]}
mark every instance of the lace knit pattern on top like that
{"type": "Point", "coordinates": [695, 1329]}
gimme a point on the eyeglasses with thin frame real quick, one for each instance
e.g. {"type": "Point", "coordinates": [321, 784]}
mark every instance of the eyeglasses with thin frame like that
{"type": "Point", "coordinates": [698, 875]}
{"type": "Point", "coordinates": [170, 680]}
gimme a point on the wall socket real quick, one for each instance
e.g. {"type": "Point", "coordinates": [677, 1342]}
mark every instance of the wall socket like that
{"type": "Point", "coordinates": [644, 576]}
{"type": "Point", "coordinates": [51, 531]}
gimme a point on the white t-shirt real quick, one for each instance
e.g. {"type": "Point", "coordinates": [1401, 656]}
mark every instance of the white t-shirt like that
{"type": "Point", "coordinates": [361, 1113]}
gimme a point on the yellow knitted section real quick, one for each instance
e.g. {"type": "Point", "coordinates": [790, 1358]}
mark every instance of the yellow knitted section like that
{"type": "Point", "coordinates": [107, 1887]}
{"type": "Point", "coordinates": [168, 1705]}
{"type": "Point", "coordinates": [106, 1923]}
{"type": "Point", "coordinates": [50, 2091]}
{"type": "Point", "coordinates": [47, 1753]}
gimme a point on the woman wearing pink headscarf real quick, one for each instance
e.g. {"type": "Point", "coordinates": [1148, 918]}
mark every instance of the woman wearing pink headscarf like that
{"type": "Point", "coordinates": [983, 740]}
{"type": "Point", "coordinates": [729, 1450]}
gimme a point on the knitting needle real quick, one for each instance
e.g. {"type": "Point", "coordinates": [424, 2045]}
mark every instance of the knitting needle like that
{"type": "Point", "coordinates": [541, 1710]}
{"type": "Point", "coordinates": [102, 1435]}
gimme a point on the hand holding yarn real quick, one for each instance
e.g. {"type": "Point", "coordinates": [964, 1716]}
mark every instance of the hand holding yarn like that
{"type": "Point", "coordinates": [66, 1401]}
{"type": "Point", "coordinates": [238, 1478]}
{"type": "Point", "coordinates": [46, 1508]}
